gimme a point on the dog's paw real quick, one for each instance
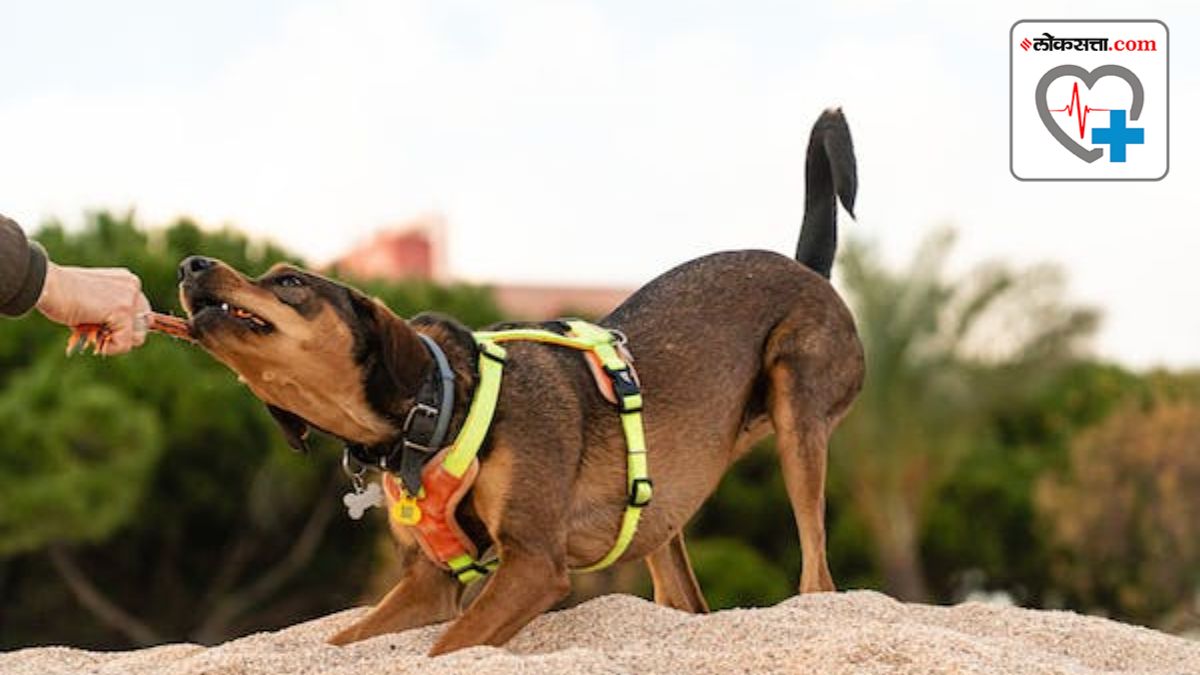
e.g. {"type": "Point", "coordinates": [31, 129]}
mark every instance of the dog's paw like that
{"type": "Point", "coordinates": [344, 637]}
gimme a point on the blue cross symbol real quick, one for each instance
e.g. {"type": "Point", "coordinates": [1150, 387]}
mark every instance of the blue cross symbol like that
{"type": "Point", "coordinates": [1116, 136]}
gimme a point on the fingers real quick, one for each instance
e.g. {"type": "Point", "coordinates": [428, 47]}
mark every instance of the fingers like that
{"type": "Point", "coordinates": [141, 310]}
{"type": "Point", "coordinates": [126, 324]}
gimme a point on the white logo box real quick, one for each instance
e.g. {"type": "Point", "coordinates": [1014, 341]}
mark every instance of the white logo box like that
{"type": "Point", "coordinates": [1135, 47]}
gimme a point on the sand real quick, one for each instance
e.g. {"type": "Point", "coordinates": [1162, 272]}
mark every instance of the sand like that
{"type": "Point", "coordinates": [853, 632]}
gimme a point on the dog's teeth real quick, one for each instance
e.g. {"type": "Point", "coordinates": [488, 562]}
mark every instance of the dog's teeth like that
{"type": "Point", "coordinates": [224, 306]}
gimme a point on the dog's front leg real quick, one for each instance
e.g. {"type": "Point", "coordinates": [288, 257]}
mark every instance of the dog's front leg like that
{"type": "Point", "coordinates": [425, 594]}
{"type": "Point", "coordinates": [526, 584]}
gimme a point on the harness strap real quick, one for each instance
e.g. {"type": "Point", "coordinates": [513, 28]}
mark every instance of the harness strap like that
{"type": "Point", "coordinates": [601, 342]}
{"type": "Point", "coordinates": [457, 461]}
{"type": "Point", "coordinates": [466, 569]}
{"type": "Point", "coordinates": [483, 408]}
{"type": "Point", "coordinates": [639, 488]}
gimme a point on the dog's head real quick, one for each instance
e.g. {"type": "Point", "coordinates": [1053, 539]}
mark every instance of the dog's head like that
{"type": "Point", "coordinates": [317, 352]}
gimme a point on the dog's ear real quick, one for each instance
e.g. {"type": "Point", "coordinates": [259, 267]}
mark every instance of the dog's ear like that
{"type": "Point", "coordinates": [294, 427]}
{"type": "Point", "coordinates": [391, 354]}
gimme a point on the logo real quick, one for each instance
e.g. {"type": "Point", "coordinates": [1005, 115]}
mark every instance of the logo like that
{"type": "Point", "coordinates": [1093, 106]}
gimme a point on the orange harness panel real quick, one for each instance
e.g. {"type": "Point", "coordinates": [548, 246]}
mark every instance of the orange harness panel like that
{"type": "Point", "coordinates": [431, 516]}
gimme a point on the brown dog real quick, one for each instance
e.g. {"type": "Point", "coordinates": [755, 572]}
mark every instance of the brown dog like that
{"type": "Point", "coordinates": [728, 347]}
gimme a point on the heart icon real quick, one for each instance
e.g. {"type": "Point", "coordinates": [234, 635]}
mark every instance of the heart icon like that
{"type": "Point", "coordinates": [1089, 79]}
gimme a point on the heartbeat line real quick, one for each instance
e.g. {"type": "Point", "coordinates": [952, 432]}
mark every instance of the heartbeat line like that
{"type": "Point", "coordinates": [1073, 108]}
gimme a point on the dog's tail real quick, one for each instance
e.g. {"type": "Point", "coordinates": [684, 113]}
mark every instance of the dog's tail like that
{"type": "Point", "coordinates": [830, 174]}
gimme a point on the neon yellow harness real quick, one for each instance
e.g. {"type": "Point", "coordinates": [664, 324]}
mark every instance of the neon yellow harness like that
{"type": "Point", "coordinates": [461, 457]}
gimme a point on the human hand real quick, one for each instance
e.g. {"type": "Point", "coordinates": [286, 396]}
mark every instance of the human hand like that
{"type": "Point", "coordinates": [108, 296]}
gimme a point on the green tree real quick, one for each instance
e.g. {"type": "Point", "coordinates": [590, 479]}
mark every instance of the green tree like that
{"type": "Point", "coordinates": [942, 354]}
{"type": "Point", "coordinates": [981, 530]}
{"type": "Point", "coordinates": [84, 451]}
{"type": "Point", "coordinates": [1125, 514]}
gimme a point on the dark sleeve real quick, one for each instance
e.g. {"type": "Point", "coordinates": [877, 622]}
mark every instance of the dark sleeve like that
{"type": "Point", "coordinates": [22, 270]}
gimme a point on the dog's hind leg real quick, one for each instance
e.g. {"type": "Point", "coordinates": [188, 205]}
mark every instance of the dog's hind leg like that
{"type": "Point", "coordinates": [426, 594]}
{"type": "Point", "coordinates": [802, 440]}
{"type": "Point", "coordinates": [674, 581]}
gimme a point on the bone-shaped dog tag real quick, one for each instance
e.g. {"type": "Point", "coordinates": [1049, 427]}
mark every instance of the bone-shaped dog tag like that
{"type": "Point", "coordinates": [359, 501]}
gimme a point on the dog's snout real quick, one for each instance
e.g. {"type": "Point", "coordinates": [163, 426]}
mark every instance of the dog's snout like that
{"type": "Point", "coordinates": [193, 265]}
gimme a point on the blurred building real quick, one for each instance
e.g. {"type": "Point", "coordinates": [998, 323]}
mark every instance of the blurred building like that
{"type": "Point", "coordinates": [412, 250]}
{"type": "Point", "coordinates": [417, 250]}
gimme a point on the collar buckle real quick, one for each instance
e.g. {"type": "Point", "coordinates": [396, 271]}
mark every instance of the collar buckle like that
{"type": "Point", "coordinates": [409, 445]}
{"type": "Point", "coordinates": [419, 408]}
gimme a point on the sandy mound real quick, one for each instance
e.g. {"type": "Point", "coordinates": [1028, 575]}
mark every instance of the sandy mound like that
{"type": "Point", "coordinates": [855, 632]}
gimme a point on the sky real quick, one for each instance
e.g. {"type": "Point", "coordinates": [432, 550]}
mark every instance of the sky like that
{"type": "Point", "coordinates": [545, 130]}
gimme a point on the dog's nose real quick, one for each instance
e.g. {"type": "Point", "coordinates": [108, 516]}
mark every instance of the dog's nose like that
{"type": "Point", "coordinates": [193, 265]}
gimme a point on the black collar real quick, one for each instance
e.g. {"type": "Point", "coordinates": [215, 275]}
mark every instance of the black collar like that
{"type": "Point", "coordinates": [425, 425]}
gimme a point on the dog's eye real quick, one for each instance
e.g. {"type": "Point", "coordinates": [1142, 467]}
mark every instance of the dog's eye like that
{"type": "Point", "coordinates": [290, 281]}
